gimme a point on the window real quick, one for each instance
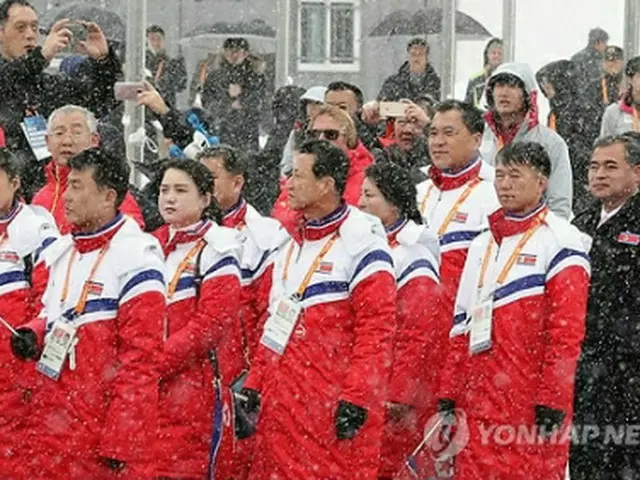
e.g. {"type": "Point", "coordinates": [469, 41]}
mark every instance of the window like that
{"type": "Point", "coordinates": [328, 35]}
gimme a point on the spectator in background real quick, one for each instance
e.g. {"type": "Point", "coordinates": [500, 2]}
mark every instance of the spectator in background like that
{"type": "Point", "coordinates": [493, 57]}
{"type": "Point", "coordinates": [349, 97]}
{"type": "Point", "coordinates": [572, 117]}
{"type": "Point", "coordinates": [71, 130]}
{"type": "Point", "coordinates": [589, 60]}
{"type": "Point", "coordinates": [622, 116]}
{"type": "Point", "coordinates": [404, 142]}
{"type": "Point", "coordinates": [513, 117]}
{"type": "Point", "coordinates": [415, 77]}
{"type": "Point", "coordinates": [27, 91]}
{"type": "Point", "coordinates": [310, 103]}
{"type": "Point", "coordinates": [233, 94]}
{"type": "Point", "coordinates": [336, 126]}
{"type": "Point", "coordinates": [608, 88]}
{"type": "Point", "coordinates": [169, 75]}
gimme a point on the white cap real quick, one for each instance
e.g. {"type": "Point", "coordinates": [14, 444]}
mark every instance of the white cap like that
{"type": "Point", "coordinates": [314, 94]}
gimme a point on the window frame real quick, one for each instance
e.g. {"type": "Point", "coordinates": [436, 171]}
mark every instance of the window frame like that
{"type": "Point", "coordinates": [328, 65]}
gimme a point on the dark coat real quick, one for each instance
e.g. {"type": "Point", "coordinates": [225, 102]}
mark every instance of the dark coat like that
{"type": "Point", "coordinates": [24, 87]}
{"type": "Point", "coordinates": [238, 128]}
{"type": "Point", "coordinates": [588, 63]}
{"type": "Point", "coordinates": [607, 388]}
{"type": "Point", "coordinates": [399, 86]}
{"type": "Point", "coordinates": [169, 75]}
{"type": "Point", "coordinates": [577, 122]}
{"type": "Point", "coordinates": [413, 161]}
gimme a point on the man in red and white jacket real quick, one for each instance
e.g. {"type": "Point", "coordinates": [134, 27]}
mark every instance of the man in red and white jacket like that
{"type": "Point", "coordinates": [70, 130]}
{"type": "Point", "coordinates": [322, 368]}
{"type": "Point", "coordinates": [230, 169]}
{"type": "Point", "coordinates": [458, 197]}
{"type": "Point", "coordinates": [518, 330]}
{"type": "Point", "coordinates": [98, 337]}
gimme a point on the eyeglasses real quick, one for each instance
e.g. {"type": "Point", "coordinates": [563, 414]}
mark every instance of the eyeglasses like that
{"type": "Point", "coordinates": [327, 134]}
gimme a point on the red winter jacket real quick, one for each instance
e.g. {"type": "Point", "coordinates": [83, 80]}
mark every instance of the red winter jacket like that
{"type": "Point", "coordinates": [538, 317]}
{"type": "Point", "coordinates": [105, 408]}
{"type": "Point", "coordinates": [340, 350]}
{"type": "Point", "coordinates": [26, 231]}
{"type": "Point", "coordinates": [417, 344]}
{"type": "Point", "coordinates": [50, 197]}
{"type": "Point", "coordinates": [196, 434]}
{"type": "Point", "coordinates": [359, 159]}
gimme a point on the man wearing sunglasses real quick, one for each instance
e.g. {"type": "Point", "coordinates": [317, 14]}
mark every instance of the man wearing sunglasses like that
{"type": "Point", "coordinates": [336, 126]}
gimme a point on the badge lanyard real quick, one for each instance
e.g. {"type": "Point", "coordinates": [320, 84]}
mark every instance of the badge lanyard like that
{"type": "Point", "coordinates": [173, 285]}
{"type": "Point", "coordinates": [454, 209]}
{"type": "Point", "coordinates": [82, 301]}
{"type": "Point", "coordinates": [552, 122]}
{"type": "Point", "coordinates": [605, 91]}
{"type": "Point", "coordinates": [514, 255]}
{"type": "Point", "coordinates": [500, 142]}
{"type": "Point", "coordinates": [314, 266]}
{"type": "Point", "coordinates": [635, 120]}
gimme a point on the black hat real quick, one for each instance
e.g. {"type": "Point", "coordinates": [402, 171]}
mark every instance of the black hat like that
{"type": "Point", "coordinates": [613, 53]}
{"type": "Point", "coordinates": [236, 43]}
{"type": "Point", "coordinates": [417, 42]}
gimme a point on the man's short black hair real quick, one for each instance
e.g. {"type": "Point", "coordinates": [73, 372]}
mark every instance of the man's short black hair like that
{"type": "Point", "coordinates": [417, 42]}
{"type": "Point", "coordinates": [6, 6]}
{"type": "Point", "coordinates": [108, 171]}
{"type": "Point", "coordinates": [9, 163]}
{"type": "Point", "coordinates": [471, 116]}
{"type": "Point", "coordinates": [632, 67]}
{"type": "Point", "coordinates": [330, 161]}
{"type": "Point", "coordinates": [236, 43]}
{"type": "Point", "coordinates": [234, 161]}
{"type": "Point", "coordinates": [629, 140]}
{"type": "Point", "coordinates": [341, 86]}
{"type": "Point", "coordinates": [155, 29]}
{"type": "Point", "coordinates": [526, 153]}
{"type": "Point", "coordinates": [598, 35]}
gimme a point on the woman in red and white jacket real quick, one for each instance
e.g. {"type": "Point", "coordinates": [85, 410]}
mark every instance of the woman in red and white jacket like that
{"type": "Point", "coordinates": [24, 232]}
{"type": "Point", "coordinates": [389, 193]}
{"type": "Point", "coordinates": [203, 349]}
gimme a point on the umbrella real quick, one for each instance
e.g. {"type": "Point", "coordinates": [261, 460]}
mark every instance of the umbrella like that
{"type": "Point", "coordinates": [427, 22]}
{"type": "Point", "coordinates": [110, 22]}
{"type": "Point", "coordinates": [254, 28]}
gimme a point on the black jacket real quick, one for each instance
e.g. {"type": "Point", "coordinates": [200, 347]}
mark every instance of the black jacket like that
{"type": "Point", "coordinates": [399, 86]}
{"type": "Point", "coordinates": [24, 86]}
{"type": "Point", "coordinates": [607, 388]}
{"type": "Point", "coordinates": [238, 128]}
{"type": "Point", "coordinates": [577, 122]}
{"type": "Point", "coordinates": [413, 160]}
{"type": "Point", "coordinates": [169, 75]}
{"type": "Point", "coordinates": [475, 88]}
{"type": "Point", "coordinates": [588, 62]}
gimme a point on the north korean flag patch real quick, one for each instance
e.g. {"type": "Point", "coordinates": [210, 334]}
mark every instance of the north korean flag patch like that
{"type": "Point", "coordinates": [527, 259]}
{"type": "Point", "coordinates": [9, 257]}
{"type": "Point", "coordinates": [460, 217]}
{"type": "Point", "coordinates": [95, 288]}
{"type": "Point", "coordinates": [325, 268]}
{"type": "Point", "coordinates": [629, 238]}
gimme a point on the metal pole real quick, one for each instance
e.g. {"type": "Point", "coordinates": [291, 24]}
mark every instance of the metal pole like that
{"type": "Point", "coordinates": [631, 27]}
{"type": "Point", "coordinates": [282, 43]}
{"type": "Point", "coordinates": [509, 29]}
{"type": "Point", "coordinates": [133, 119]}
{"type": "Point", "coordinates": [448, 48]}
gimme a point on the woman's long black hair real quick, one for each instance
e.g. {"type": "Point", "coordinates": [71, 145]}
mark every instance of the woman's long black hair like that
{"type": "Point", "coordinates": [202, 178]}
{"type": "Point", "coordinates": [12, 166]}
{"type": "Point", "coordinates": [396, 186]}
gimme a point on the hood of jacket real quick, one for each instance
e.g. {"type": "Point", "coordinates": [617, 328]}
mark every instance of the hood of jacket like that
{"type": "Point", "coordinates": [525, 74]}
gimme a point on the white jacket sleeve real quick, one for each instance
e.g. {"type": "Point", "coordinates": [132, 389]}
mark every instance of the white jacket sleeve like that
{"type": "Point", "coordinates": [560, 188]}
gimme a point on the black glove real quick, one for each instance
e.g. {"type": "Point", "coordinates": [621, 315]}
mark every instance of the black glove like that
{"type": "Point", "coordinates": [446, 407]}
{"type": "Point", "coordinates": [247, 406]}
{"type": "Point", "coordinates": [548, 419]}
{"type": "Point", "coordinates": [349, 419]}
{"type": "Point", "coordinates": [25, 344]}
{"type": "Point", "coordinates": [115, 465]}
